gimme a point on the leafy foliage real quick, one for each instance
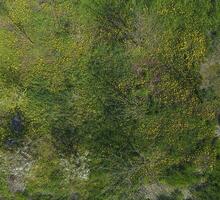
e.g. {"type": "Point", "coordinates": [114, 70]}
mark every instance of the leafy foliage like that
{"type": "Point", "coordinates": [109, 90]}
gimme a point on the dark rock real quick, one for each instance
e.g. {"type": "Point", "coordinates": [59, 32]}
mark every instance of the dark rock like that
{"type": "Point", "coordinates": [10, 143]}
{"type": "Point", "coordinates": [214, 141]}
{"type": "Point", "coordinates": [213, 34]}
{"type": "Point", "coordinates": [200, 187]}
{"type": "Point", "coordinates": [218, 118]}
{"type": "Point", "coordinates": [42, 1]}
{"type": "Point", "coordinates": [74, 196]}
{"type": "Point", "coordinates": [16, 124]}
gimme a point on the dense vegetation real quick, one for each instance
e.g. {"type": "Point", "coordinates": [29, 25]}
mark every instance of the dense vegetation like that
{"type": "Point", "coordinates": [101, 98]}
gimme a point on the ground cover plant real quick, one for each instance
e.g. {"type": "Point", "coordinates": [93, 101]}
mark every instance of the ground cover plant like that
{"type": "Point", "coordinates": [109, 99]}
